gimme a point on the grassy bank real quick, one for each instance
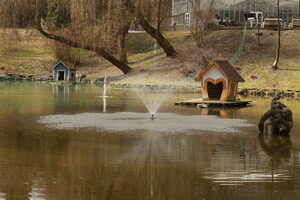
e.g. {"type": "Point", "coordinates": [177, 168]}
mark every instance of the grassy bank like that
{"type": "Point", "coordinates": [34, 55]}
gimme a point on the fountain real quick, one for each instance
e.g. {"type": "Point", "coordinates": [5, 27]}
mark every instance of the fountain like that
{"type": "Point", "coordinates": [155, 49]}
{"type": "Point", "coordinates": [104, 87]}
{"type": "Point", "coordinates": [131, 121]}
{"type": "Point", "coordinates": [152, 99]}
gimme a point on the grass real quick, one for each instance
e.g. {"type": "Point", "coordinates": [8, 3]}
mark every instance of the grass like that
{"type": "Point", "coordinates": [35, 56]}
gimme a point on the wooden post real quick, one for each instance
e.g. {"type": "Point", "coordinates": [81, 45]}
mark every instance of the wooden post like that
{"type": "Point", "coordinates": [229, 12]}
{"type": "Point", "coordinates": [239, 13]}
{"type": "Point", "coordinates": [234, 10]}
{"type": "Point", "coordinates": [274, 66]}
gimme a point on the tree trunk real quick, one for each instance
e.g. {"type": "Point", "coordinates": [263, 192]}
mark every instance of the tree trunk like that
{"type": "Point", "coordinates": [159, 15]}
{"type": "Point", "coordinates": [161, 40]}
{"type": "Point", "coordinates": [100, 51]}
{"type": "Point", "coordinates": [258, 35]}
{"type": "Point", "coordinates": [203, 58]}
{"type": "Point", "coordinates": [122, 46]}
{"type": "Point", "coordinates": [275, 64]}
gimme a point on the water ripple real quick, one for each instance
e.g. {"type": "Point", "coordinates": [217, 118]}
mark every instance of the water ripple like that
{"type": "Point", "coordinates": [128, 121]}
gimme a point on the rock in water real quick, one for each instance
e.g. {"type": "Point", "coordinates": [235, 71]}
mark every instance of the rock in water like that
{"type": "Point", "coordinates": [278, 119]}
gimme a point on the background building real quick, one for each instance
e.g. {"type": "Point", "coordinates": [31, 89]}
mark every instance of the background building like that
{"type": "Point", "coordinates": [235, 9]}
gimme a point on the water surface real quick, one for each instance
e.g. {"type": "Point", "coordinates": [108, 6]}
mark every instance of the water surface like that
{"type": "Point", "coordinates": [42, 162]}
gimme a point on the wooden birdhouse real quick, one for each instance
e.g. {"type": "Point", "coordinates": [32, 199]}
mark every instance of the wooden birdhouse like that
{"type": "Point", "coordinates": [61, 72]}
{"type": "Point", "coordinates": [219, 81]}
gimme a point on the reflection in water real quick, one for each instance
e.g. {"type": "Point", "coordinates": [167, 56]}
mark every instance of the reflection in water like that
{"type": "Point", "coordinates": [238, 178]}
{"type": "Point", "coordinates": [37, 190]}
{"type": "Point", "coordinates": [104, 102]}
{"type": "Point", "coordinates": [222, 112]}
{"type": "Point", "coordinates": [104, 96]}
{"type": "Point", "coordinates": [150, 145]}
{"type": "Point", "coordinates": [61, 94]}
{"type": "Point", "coordinates": [41, 163]}
{"type": "Point", "coordinates": [277, 147]}
{"type": "Point", "coordinates": [2, 196]}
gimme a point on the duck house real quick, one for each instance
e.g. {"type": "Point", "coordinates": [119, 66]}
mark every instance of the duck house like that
{"type": "Point", "coordinates": [219, 81]}
{"type": "Point", "coordinates": [61, 72]}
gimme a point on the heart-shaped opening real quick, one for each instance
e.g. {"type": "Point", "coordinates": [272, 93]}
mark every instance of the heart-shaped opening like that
{"type": "Point", "coordinates": [214, 91]}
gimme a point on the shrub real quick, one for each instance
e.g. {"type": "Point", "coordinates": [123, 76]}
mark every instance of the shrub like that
{"type": "Point", "coordinates": [66, 54]}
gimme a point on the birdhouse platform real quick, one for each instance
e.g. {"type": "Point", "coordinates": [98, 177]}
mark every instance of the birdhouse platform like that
{"type": "Point", "coordinates": [201, 103]}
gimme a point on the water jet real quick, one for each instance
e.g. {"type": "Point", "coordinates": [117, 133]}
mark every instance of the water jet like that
{"type": "Point", "coordinates": [152, 99]}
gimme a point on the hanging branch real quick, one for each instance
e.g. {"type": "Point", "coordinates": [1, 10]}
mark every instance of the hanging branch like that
{"type": "Point", "coordinates": [100, 51]}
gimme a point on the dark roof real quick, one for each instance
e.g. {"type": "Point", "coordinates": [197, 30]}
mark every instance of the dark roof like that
{"type": "Point", "coordinates": [69, 67]}
{"type": "Point", "coordinates": [226, 68]}
{"type": "Point", "coordinates": [229, 70]}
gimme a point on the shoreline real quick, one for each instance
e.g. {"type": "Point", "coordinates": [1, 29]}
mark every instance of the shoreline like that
{"type": "Point", "coordinates": [262, 92]}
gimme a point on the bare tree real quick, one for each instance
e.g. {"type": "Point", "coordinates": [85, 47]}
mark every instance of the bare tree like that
{"type": "Point", "coordinates": [203, 12]}
{"type": "Point", "coordinates": [94, 25]}
{"type": "Point", "coordinates": [122, 31]}
{"type": "Point", "coordinates": [163, 13]}
{"type": "Point", "coordinates": [258, 35]}
{"type": "Point", "coordinates": [33, 12]}
{"type": "Point", "coordinates": [136, 9]}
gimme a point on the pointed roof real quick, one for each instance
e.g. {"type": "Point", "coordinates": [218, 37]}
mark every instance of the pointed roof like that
{"type": "Point", "coordinates": [226, 68]}
{"type": "Point", "coordinates": [61, 62]}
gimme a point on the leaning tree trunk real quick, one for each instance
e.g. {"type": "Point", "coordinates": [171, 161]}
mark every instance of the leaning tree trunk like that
{"type": "Point", "coordinates": [162, 41]}
{"type": "Point", "coordinates": [122, 46]}
{"type": "Point", "coordinates": [275, 64]}
{"type": "Point", "coordinates": [100, 51]}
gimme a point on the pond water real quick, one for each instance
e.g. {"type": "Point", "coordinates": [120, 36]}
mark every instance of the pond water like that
{"type": "Point", "coordinates": [67, 142]}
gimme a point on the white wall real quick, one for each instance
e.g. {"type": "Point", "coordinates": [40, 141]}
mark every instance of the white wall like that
{"type": "Point", "coordinates": [215, 73]}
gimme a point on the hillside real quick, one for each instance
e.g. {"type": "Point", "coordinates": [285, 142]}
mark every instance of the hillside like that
{"type": "Point", "coordinates": [34, 55]}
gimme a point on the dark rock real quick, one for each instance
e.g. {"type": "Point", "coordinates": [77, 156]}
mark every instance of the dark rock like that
{"type": "Point", "coordinates": [9, 74]}
{"type": "Point", "coordinates": [31, 76]}
{"type": "Point", "coordinates": [243, 91]}
{"type": "Point", "coordinates": [277, 120]}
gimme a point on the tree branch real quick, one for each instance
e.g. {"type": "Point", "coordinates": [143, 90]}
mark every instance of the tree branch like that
{"type": "Point", "coordinates": [100, 51]}
{"type": "Point", "coordinates": [162, 41]}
